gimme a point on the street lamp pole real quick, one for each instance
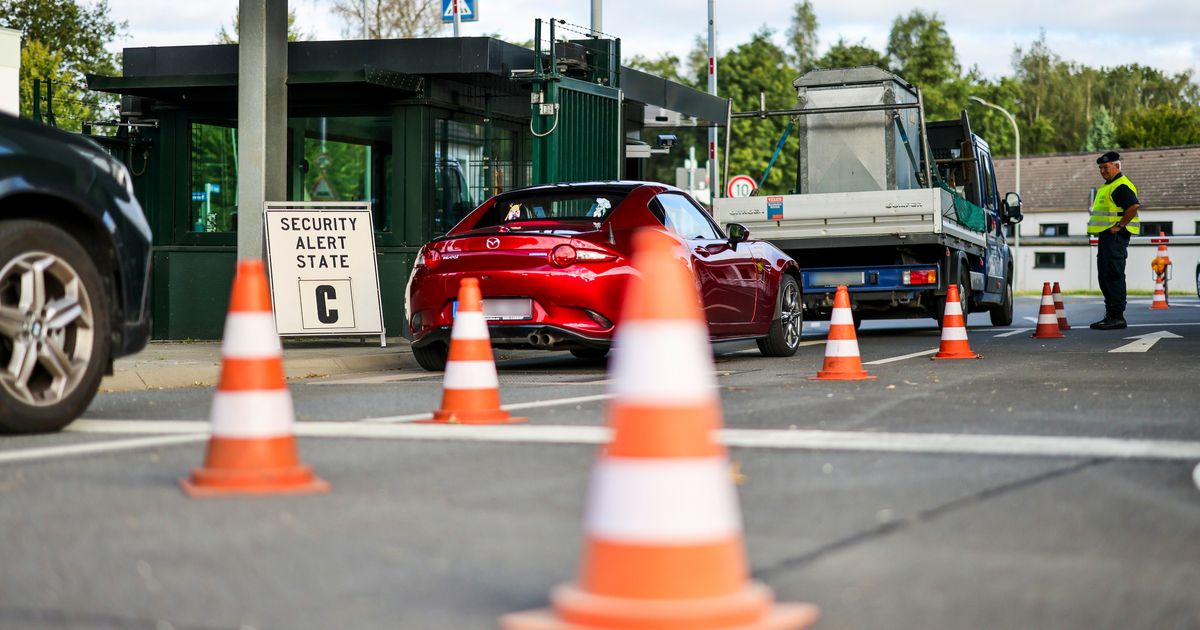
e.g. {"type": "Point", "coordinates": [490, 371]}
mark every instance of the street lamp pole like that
{"type": "Point", "coordinates": [1017, 177]}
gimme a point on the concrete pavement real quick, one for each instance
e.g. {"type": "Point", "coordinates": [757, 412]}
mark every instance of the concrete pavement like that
{"type": "Point", "coordinates": [170, 364]}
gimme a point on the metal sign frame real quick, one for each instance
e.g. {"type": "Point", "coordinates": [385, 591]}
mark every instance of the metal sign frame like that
{"type": "Point", "coordinates": [281, 277]}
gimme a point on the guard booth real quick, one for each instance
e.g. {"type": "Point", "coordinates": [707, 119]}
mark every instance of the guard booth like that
{"type": "Point", "coordinates": [424, 130]}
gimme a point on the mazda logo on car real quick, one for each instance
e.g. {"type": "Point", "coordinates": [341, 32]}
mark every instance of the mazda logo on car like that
{"type": "Point", "coordinates": [493, 243]}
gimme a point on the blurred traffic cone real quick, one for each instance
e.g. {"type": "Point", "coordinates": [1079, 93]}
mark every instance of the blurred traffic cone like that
{"type": "Point", "coordinates": [471, 388]}
{"type": "Point", "coordinates": [1060, 310]}
{"type": "Point", "coordinates": [1047, 321]}
{"type": "Point", "coordinates": [663, 536]}
{"type": "Point", "coordinates": [252, 449]}
{"type": "Point", "coordinates": [842, 361]}
{"type": "Point", "coordinates": [1160, 296]}
{"type": "Point", "coordinates": [954, 330]}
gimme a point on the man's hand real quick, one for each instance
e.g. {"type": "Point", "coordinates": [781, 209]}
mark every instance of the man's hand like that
{"type": "Point", "coordinates": [1116, 229]}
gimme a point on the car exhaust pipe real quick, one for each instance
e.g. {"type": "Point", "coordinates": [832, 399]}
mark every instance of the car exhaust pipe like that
{"type": "Point", "coordinates": [541, 339]}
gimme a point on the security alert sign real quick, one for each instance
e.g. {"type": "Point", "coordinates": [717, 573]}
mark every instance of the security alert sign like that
{"type": "Point", "coordinates": [324, 278]}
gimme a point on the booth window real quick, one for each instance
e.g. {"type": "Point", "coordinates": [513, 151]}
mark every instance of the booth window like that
{"type": "Point", "coordinates": [1152, 228]}
{"type": "Point", "coordinates": [346, 159]}
{"type": "Point", "coordinates": [213, 178]}
{"type": "Point", "coordinates": [1050, 260]}
{"type": "Point", "coordinates": [1053, 229]}
{"type": "Point", "coordinates": [471, 163]}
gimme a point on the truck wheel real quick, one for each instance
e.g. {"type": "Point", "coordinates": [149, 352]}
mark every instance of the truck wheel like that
{"type": "Point", "coordinates": [784, 335]}
{"type": "Point", "coordinates": [432, 357]}
{"type": "Point", "coordinates": [1002, 314]}
{"type": "Point", "coordinates": [1198, 280]}
{"type": "Point", "coordinates": [964, 299]}
{"type": "Point", "coordinates": [54, 328]}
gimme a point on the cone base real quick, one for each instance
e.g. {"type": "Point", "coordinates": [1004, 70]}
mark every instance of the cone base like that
{"type": "Point", "coordinates": [1062, 326]}
{"type": "Point", "coordinates": [487, 416]}
{"type": "Point", "coordinates": [1159, 308]}
{"type": "Point", "coordinates": [210, 482]}
{"type": "Point", "coordinates": [955, 355]}
{"type": "Point", "coordinates": [857, 375]}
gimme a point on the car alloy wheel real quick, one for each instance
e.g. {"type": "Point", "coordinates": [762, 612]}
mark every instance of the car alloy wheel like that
{"type": "Point", "coordinates": [783, 338]}
{"type": "Point", "coordinates": [46, 321]}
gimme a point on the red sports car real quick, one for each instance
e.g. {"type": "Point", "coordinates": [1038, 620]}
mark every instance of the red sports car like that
{"type": "Point", "coordinates": [553, 260]}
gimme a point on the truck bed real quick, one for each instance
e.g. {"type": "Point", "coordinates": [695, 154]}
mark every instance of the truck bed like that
{"type": "Point", "coordinates": [922, 215]}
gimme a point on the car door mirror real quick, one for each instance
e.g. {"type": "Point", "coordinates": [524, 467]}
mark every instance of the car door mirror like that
{"type": "Point", "coordinates": [1012, 208]}
{"type": "Point", "coordinates": [737, 233]}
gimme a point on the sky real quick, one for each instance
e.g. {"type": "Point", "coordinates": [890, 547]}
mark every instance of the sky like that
{"type": "Point", "coordinates": [1157, 33]}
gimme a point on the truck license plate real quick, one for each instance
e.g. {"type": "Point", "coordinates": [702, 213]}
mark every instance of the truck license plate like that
{"type": "Point", "coordinates": [834, 278]}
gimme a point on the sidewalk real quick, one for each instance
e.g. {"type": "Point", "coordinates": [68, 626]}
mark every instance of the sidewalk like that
{"type": "Point", "coordinates": [166, 364]}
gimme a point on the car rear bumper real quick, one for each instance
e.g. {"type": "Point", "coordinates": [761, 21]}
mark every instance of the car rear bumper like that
{"type": "Point", "coordinates": [527, 336]}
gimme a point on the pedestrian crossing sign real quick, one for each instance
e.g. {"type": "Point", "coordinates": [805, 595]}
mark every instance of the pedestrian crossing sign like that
{"type": "Point", "coordinates": [466, 10]}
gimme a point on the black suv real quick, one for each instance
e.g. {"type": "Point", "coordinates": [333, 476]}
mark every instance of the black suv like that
{"type": "Point", "coordinates": [74, 273]}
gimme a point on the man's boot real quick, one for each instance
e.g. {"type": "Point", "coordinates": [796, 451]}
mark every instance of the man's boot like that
{"type": "Point", "coordinates": [1111, 321]}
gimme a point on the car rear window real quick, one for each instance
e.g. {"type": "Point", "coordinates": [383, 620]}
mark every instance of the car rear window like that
{"type": "Point", "coordinates": [566, 206]}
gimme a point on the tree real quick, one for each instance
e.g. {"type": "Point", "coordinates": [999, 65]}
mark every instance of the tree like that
{"type": "Point", "coordinates": [846, 55]}
{"type": "Point", "coordinates": [1102, 135]}
{"type": "Point", "coordinates": [390, 19]}
{"type": "Point", "coordinates": [802, 35]}
{"type": "Point", "coordinates": [760, 66]}
{"type": "Point", "coordinates": [922, 52]}
{"type": "Point", "coordinates": [294, 34]}
{"type": "Point", "coordinates": [1160, 126]}
{"type": "Point", "coordinates": [666, 66]}
{"type": "Point", "coordinates": [64, 41]}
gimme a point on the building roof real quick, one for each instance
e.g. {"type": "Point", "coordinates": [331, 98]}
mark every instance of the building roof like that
{"type": "Point", "coordinates": [1166, 178]}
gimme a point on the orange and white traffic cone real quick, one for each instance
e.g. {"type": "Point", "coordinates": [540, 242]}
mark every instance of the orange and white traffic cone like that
{"type": "Point", "coordinates": [1160, 296]}
{"type": "Point", "coordinates": [1060, 310]}
{"type": "Point", "coordinates": [663, 543]}
{"type": "Point", "coordinates": [954, 330]}
{"type": "Point", "coordinates": [252, 449]}
{"type": "Point", "coordinates": [470, 387]}
{"type": "Point", "coordinates": [842, 361]}
{"type": "Point", "coordinates": [1047, 321]}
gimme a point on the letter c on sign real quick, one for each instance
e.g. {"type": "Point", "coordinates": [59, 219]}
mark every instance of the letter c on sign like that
{"type": "Point", "coordinates": [325, 314]}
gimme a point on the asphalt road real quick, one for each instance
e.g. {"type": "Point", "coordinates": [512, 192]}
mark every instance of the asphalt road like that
{"type": "Point", "coordinates": [1047, 485]}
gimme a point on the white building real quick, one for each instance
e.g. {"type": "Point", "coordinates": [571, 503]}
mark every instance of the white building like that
{"type": "Point", "coordinates": [10, 71]}
{"type": "Point", "coordinates": [1056, 193]}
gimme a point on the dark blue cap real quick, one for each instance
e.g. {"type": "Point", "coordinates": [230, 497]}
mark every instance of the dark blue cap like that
{"type": "Point", "coordinates": [1111, 156]}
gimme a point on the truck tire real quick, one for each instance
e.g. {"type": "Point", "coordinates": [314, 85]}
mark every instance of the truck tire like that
{"type": "Point", "coordinates": [432, 356]}
{"type": "Point", "coordinates": [1002, 313]}
{"type": "Point", "coordinates": [55, 328]}
{"type": "Point", "coordinates": [783, 338]}
{"type": "Point", "coordinates": [964, 299]}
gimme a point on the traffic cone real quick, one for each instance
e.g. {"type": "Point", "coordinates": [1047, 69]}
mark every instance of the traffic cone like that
{"type": "Point", "coordinates": [842, 361]}
{"type": "Point", "coordinates": [1059, 309]}
{"type": "Point", "coordinates": [663, 545]}
{"type": "Point", "coordinates": [1047, 321]}
{"type": "Point", "coordinates": [954, 330]}
{"type": "Point", "coordinates": [252, 449]}
{"type": "Point", "coordinates": [1160, 297]}
{"type": "Point", "coordinates": [470, 388]}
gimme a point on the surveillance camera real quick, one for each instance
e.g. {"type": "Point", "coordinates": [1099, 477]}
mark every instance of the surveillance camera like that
{"type": "Point", "coordinates": [667, 140]}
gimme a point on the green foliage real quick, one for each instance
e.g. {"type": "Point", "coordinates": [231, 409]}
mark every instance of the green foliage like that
{"type": "Point", "coordinates": [802, 36]}
{"type": "Point", "coordinates": [665, 66]}
{"type": "Point", "coordinates": [760, 66]}
{"type": "Point", "coordinates": [1161, 126]}
{"type": "Point", "coordinates": [1102, 135]}
{"type": "Point", "coordinates": [63, 40]}
{"type": "Point", "coordinates": [294, 34]}
{"type": "Point", "coordinates": [846, 55]}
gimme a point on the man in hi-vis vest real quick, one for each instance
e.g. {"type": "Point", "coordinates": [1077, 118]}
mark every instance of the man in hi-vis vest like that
{"type": "Point", "coordinates": [1114, 219]}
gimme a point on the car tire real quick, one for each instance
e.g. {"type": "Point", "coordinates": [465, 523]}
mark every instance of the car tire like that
{"type": "Point", "coordinates": [54, 311]}
{"type": "Point", "coordinates": [1002, 313]}
{"type": "Point", "coordinates": [432, 356]}
{"type": "Point", "coordinates": [589, 354]}
{"type": "Point", "coordinates": [783, 338]}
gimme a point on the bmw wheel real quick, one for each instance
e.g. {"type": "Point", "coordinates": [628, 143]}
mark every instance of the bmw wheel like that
{"type": "Point", "coordinates": [54, 328]}
{"type": "Point", "coordinates": [784, 335]}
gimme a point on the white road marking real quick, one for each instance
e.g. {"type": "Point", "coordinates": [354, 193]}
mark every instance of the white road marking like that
{"type": "Point", "coordinates": [1014, 332]}
{"type": "Point", "coordinates": [1031, 319]}
{"type": "Point", "coordinates": [900, 358]}
{"type": "Point", "coordinates": [511, 407]}
{"type": "Point", "coordinates": [49, 452]}
{"type": "Point", "coordinates": [924, 443]}
{"type": "Point", "coordinates": [1143, 343]}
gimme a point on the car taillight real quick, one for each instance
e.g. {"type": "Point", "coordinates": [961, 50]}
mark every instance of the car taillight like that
{"type": "Point", "coordinates": [566, 255]}
{"type": "Point", "coordinates": [431, 258]}
{"type": "Point", "coordinates": [562, 255]}
{"type": "Point", "coordinates": [924, 276]}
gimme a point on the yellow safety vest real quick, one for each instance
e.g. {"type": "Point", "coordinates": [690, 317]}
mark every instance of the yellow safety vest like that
{"type": "Point", "coordinates": [1106, 214]}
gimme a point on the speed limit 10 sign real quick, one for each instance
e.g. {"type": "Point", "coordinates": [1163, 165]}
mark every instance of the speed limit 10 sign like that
{"type": "Point", "coordinates": [740, 186]}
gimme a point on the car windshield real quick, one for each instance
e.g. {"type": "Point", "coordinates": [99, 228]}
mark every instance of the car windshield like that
{"type": "Point", "coordinates": [552, 206]}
